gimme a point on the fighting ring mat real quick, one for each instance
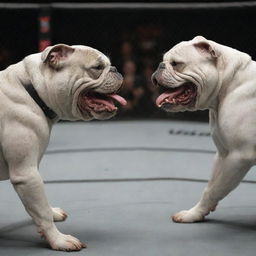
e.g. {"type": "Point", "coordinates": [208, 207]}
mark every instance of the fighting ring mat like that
{"type": "Point", "coordinates": [120, 181]}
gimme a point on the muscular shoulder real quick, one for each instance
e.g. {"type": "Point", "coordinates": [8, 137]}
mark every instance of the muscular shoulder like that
{"type": "Point", "coordinates": [23, 138]}
{"type": "Point", "coordinates": [236, 121]}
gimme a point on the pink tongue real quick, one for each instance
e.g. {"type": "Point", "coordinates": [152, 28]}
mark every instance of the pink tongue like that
{"type": "Point", "coordinates": [118, 98]}
{"type": "Point", "coordinates": [104, 102]}
{"type": "Point", "coordinates": [162, 97]}
{"type": "Point", "coordinates": [168, 94]}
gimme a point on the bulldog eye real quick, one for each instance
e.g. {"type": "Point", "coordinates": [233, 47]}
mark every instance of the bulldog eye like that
{"type": "Point", "coordinates": [98, 67]}
{"type": "Point", "coordinates": [177, 65]}
{"type": "Point", "coordinates": [174, 63]}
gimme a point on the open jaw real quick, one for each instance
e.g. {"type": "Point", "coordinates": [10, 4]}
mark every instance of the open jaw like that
{"type": "Point", "coordinates": [183, 95]}
{"type": "Point", "coordinates": [99, 102]}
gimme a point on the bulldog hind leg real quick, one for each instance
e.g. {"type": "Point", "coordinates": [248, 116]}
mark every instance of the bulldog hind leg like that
{"type": "Point", "coordinates": [227, 174]}
{"type": "Point", "coordinates": [59, 214]}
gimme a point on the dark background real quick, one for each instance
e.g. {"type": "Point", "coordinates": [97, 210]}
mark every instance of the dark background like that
{"type": "Point", "coordinates": [148, 32]}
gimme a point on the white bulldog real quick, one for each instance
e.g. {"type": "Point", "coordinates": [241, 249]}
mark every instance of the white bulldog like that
{"type": "Point", "coordinates": [62, 82]}
{"type": "Point", "coordinates": [201, 74]}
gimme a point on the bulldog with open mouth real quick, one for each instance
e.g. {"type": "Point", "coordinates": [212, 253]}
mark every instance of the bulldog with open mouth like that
{"type": "Point", "coordinates": [201, 74]}
{"type": "Point", "coordinates": [63, 82]}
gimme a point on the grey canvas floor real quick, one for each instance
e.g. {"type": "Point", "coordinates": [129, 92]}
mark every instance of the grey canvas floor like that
{"type": "Point", "coordinates": [120, 182]}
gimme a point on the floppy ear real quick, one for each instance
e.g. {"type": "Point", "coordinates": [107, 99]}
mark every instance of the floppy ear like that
{"type": "Point", "coordinates": [204, 47]}
{"type": "Point", "coordinates": [57, 54]}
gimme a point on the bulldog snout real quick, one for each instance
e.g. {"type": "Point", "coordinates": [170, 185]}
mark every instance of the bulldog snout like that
{"type": "Point", "coordinates": [113, 69]}
{"type": "Point", "coordinates": [161, 65]}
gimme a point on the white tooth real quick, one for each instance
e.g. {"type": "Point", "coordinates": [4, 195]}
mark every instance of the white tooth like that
{"type": "Point", "coordinates": [166, 100]}
{"type": "Point", "coordinates": [174, 100]}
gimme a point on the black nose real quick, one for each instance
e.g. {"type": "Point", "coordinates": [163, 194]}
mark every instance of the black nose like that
{"type": "Point", "coordinates": [113, 69]}
{"type": "Point", "coordinates": [161, 65]}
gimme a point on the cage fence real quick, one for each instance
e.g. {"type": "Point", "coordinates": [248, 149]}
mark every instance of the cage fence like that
{"type": "Point", "coordinates": [134, 35]}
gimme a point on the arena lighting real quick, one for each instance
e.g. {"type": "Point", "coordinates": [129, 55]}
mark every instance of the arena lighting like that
{"type": "Point", "coordinates": [118, 6]}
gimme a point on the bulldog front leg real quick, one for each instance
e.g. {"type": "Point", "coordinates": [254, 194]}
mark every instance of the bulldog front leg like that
{"type": "Point", "coordinates": [29, 186]}
{"type": "Point", "coordinates": [227, 173]}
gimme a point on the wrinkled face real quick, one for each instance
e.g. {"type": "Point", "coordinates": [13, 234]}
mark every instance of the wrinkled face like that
{"type": "Point", "coordinates": [86, 83]}
{"type": "Point", "coordinates": [187, 77]}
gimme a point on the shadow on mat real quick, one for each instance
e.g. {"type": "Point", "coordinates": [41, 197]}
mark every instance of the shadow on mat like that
{"type": "Point", "coordinates": [15, 226]}
{"type": "Point", "coordinates": [19, 240]}
{"type": "Point", "coordinates": [247, 224]}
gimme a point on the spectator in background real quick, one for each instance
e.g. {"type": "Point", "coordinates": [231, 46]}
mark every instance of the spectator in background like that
{"type": "Point", "coordinates": [147, 43]}
{"type": "Point", "coordinates": [126, 54]}
{"type": "Point", "coordinates": [132, 89]}
{"type": "Point", "coordinates": [137, 59]}
{"type": "Point", "coordinates": [127, 51]}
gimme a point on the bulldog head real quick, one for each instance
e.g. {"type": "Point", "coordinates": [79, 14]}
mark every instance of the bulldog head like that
{"type": "Point", "coordinates": [77, 82]}
{"type": "Point", "coordinates": [188, 76]}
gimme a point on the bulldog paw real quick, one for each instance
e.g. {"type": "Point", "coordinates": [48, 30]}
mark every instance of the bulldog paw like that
{"type": "Point", "coordinates": [66, 243]}
{"type": "Point", "coordinates": [59, 214]}
{"type": "Point", "coordinates": [188, 216]}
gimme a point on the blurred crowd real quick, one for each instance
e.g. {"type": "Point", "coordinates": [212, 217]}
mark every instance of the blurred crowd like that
{"type": "Point", "coordinates": [137, 61]}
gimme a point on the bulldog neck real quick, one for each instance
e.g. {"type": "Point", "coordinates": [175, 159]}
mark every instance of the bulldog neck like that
{"type": "Point", "coordinates": [41, 80]}
{"type": "Point", "coordinates": [230, 65]}
{"type": "Point", "coordinates": [18, 76]}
